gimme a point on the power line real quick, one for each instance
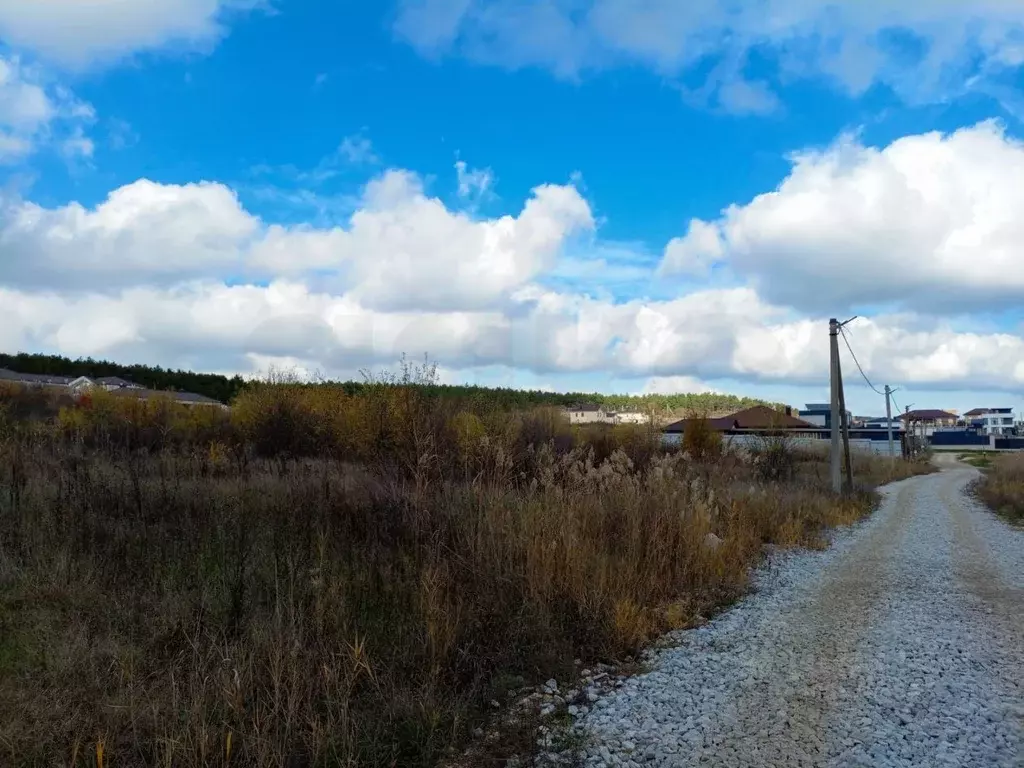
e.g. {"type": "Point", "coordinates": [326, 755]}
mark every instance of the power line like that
{"type": "Point", "coordinates": [842, 330]}
{"type": "Point", "coordinates": [898, 406]}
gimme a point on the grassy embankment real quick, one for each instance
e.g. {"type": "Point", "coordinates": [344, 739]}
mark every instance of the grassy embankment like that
{"type": "Point", "coordinates": [1001, 486]}
{"type": "Point", "coordinates": [322, 578]}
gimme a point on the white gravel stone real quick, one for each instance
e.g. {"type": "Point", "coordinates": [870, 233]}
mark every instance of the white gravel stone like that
{"type": "Point", "coordinates": [902, 645]}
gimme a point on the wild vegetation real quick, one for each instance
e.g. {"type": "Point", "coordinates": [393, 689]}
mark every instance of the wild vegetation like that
{"type": "Point", "coordinates": [1002, 486]}
{"type": "Point", "coordinates": [328, 577]}
{"type": "Point", "coordinates": [226, 389]}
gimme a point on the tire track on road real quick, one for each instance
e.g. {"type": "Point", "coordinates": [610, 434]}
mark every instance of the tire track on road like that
{"type": "Point", "coordinates": [807, 688]}
{"type": "Point", "coordinates": [995, 605]}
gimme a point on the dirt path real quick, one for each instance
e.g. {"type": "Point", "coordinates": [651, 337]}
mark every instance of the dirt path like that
{"type": "Point", "coordinates": [903, 646]}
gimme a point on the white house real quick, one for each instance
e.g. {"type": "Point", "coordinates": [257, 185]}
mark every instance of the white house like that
{"type": "Point", "coordinates": [631, 417]}
{"type": "Point", "coordinates": [589, 413]}
{"type": "Point", "coordinates": [991, 421]}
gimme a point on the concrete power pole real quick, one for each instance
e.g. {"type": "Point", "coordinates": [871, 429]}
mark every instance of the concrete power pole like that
{"type": "Point", "coordinates": [835, 471]}
{"type": "Point", "coordinates": [844, 422]}
{"type": "Point", "coordinates": [888, 419]}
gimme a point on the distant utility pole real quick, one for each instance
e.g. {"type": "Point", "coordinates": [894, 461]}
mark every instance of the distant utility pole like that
{"type": "Point", "coordinates": [888, 419]}
{"type": "Point", "coordinates": [835, 470]}
{"type": "Point", "coordinates": [909, 429]}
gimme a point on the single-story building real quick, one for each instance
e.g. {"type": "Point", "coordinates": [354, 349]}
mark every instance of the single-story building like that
{"type": "Point", "coordinates": [182, 398]}
{"type": "Point", "coordinates": [589, 413]}
{"type": "Point", "coordinates": [34, 379]}
{"type": "Point", "coordinates": [760, 417]}
{"type": "Point", "coordinates": [115, 385]}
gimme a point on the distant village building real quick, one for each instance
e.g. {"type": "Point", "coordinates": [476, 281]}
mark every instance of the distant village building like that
{"type": "Point", "coordinates": [586, 413]}
{"type": "Point", "coordinates": [115, 385]}
{"type": "Point", "coordinates": [880, 422]}
{"type": "Point", "coordinates": [759, 418]}
{"type": "Point", "coordinates": [991, 421]}
{"type": "Point", "coordinates": [591, 413]}
{"type": "Point", "coordinates": [925, 423]}
{"type": "Point", "coordinates": [820, 415]}
{"type": "Point", "coordinates": [631, 417]}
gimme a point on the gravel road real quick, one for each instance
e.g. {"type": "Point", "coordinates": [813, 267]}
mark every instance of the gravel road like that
{"type": "Point", "coordinates": [902, 645]}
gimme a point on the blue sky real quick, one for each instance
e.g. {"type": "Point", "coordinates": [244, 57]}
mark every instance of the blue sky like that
{"type": "Point", "coordinates": [593, 194]}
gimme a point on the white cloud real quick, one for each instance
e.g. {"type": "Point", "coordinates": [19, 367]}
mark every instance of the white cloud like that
{"type": "Point", "coordinates": [221, 327]}
{"type": "Point", "coordinates": [13, 148]}
{"type": "Point", "coordinates": [32, 113]}
{"type": "Point", "coordinates": [400, 249]}
{"type": "Point", "coordinates": [78, 145]}
{"type": "Point", "coordinates": [357, 149]}
{"type": "Point", "coordinates": [78, 33]}
{"type": "Point", "coordinates": [23, 104]}
{"type": "Point", "coordinates": [745, 97]}
{"type": "Point", "coordinates": [694, 254]}
{"type": "Point", "coordinates": [184, 275]}
{"type": "Point", "coordinates": [929, 223]}
{"type": "Point", "coordinates": [410, 250]}
{"type": "Point", "coordinates": [140, 233]}
{"type": "Point", "coordinates": [925, 51]}
{"type": "Point", "coordinates": [353, 150]}
{"type": "Point", "coordinates": [474, 183]}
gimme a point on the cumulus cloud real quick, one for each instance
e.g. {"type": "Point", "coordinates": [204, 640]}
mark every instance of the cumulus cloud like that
{"type": "Point", "coordinates": [185, 275]}
{"type": "Point", "coordinates": [929, 223]}
{"type": "Point", "coordinates": [401, 249]}
{"type": "Point", "coordinates": [77, 33]}
{"type": "Point", "coordinates": [925, 51]}
{"type": "Point", "coordinates": [142, 232]}
{"type": "Point", "coordinates": [233, 327]}
{"type": "Point", "coordinates": [694, 254]}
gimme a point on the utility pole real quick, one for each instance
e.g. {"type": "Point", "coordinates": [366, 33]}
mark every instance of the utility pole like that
{"type": "Point", "coordinates": [844, 421]}
{"type": "Point", "coordinates": [834, 468]}
{"type": "Point", "coordinates": [888, 419]}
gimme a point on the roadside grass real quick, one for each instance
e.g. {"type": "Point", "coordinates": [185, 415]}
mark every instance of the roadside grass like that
{"type": "Point", "coordinates": [977, 459]}
{"type": "Point", "coordinates": [325, 580]}
{"type": "Point", "coordinates": [1001, 486]}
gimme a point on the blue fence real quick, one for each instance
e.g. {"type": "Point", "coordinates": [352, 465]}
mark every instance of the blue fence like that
{"type": "Point", "coordinates": [958, 438]}
{"type": "Point", "coordinates": [1010, 443]}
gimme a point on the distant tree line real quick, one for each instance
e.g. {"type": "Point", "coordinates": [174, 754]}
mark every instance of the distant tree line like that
{"type": "Point", "coordinates": [225, 388]}
{"type": "Point", "coordinates": [501, 397]}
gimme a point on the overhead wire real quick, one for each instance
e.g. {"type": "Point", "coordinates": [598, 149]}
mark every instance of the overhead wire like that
{"type": "Point", "coordinates": [897, 405]}
{"type": "Point", "coordinates": [842, 330]}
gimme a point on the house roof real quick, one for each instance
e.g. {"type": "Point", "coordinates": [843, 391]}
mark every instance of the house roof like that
{"type": "Point", "coordinates": [34, 378]}
{"type": "Point", "coordinates": [181, 397]}
{"type": "Point", "coordinates": [928, 415]}
{"type": "Point", "coordinates": [988, 411]}
{"type": "Point", "coordinates": [588, 407]}
{"type": "Point", "coordinates": [115, 381]}
{"type": "Point", "coordinates": [758, 417]}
